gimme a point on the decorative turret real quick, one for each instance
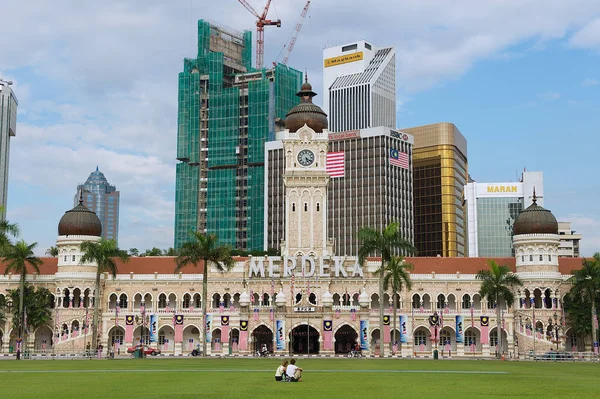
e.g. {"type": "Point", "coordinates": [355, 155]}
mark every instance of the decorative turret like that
{"type": "Point", "coordinates": [535, 220]}
{"type": "Point", "coordinates": [306, 113]}
{"type": "Point", "coordinates": [80, 221]}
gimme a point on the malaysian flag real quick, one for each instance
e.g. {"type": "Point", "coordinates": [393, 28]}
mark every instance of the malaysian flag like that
{"type": "Point", "coordinates": [221, 306]}
{"type": "Point", "coordinates": [472, 310]}
{"type": "Point", "coordinates": [398, 158]}
{"type": "Point", "coordinates": [117, 314]}
{"type": "Point", "coordinates": [335, 164]}
{"type": "Point", "coordinates": [25, 318]}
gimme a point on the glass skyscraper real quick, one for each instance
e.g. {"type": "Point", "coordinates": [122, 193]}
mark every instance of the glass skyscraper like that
{"type": "Point", "coordinates": [491, 212]}
{"type": "Point", "coordinates": [8, 128]}
{"type": "Point", "coordinates": [102, 198]}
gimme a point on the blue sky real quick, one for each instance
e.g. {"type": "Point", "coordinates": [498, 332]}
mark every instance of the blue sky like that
{"type": "Point", "coordinates": [96, 84]}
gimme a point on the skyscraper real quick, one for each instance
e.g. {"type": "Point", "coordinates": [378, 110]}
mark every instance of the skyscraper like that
{"type": "Point", "coordinates": [220, 176]}
{"type": "Point", "coordinates": [492, 209]}
{"type": "Point", "coordinates": [359, 81]}
{"type": "Point", "coordinates": [102, 198]}
{"type": "Point", "coordinates": [8, 129]}
{"type": "Point", "coordinates": [440, 174]}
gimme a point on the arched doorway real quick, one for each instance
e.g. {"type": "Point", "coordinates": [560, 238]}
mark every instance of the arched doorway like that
{"type": "Point", "coordinates": [345, 338]}
{"type": "Point", "coordinates": [262, 335]}
{"type": "Point", "coordinates": [191, 338]}
{"type": "Point", "coordinates": [304, 339]}
{"type": "Point", "coordinates": [43, 339]}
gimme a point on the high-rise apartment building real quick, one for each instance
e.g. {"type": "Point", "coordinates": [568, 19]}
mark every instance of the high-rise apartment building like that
{"type": "Point", "coordinates": [103, 199]}
{"type": "Point", "coordinates": [492, 209]}
{"type": "Point", "coordinates": [569, 241]}
{"type": "Point", "coordinates": [439, 173]}
{"type": "Point", "coordinates": [227, 111]}
{"type": "Point", "coordinates": [8, 129]}
{"type": "Point", "coordinates": [359, 81]}
{"type": "Point", "coordinates": [370, 186]}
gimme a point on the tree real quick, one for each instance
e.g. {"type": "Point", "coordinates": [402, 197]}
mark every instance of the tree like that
{"type": "Point", "coordinates": [7, 229]}
{"type": "Point", "coordinates": [103, 253]}
{"type": "Point", "coordinates": [170, 252]}
{"type": "Point", "coordinates": [396, 276]}
{"type": "Point", "coordinates": [17, 258]}
{"type": "Point", "coordinates": [52, 251]}
{"type": "Point", "coordinates": [37, 303]}
{"type": "Point", "coordinates": [586, 285]}
{"type": "Point", "coordinates": [204, 248]}
{"type": "Point", "coordinates": [134, 252]}
{"type": "Point", "coordinates": [386, 243]}
{"type": "Point", "coordinates": [497, 283]}
{"type": "Point", "coordinates": [153, 252]}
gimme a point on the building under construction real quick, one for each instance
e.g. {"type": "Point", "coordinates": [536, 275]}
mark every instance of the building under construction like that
{"type": "Point", "coordinates": [226, 113]}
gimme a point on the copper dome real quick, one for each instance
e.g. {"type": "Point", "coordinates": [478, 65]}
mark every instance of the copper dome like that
{"type": "Point", "coordinates": [535, 220]}
{"type": "Point", "coordinates": [306, 112]}
{"type": "Point", "coordinates": [80, 221]}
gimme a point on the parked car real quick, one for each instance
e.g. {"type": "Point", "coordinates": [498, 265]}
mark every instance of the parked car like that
{"type": "Point", "coordinates": [146, 349]}
{"type": "Point", "coordinates": [553, 355]}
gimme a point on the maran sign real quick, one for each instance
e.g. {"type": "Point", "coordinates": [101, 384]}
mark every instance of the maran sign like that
{"type": "Point", "coordinates": [307, 266]}
{"type": "Point", "coordinates": [502, 189]}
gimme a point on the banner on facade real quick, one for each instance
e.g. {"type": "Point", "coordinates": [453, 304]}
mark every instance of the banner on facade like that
{"type": "Point", "coordinates": [403, 330]}
{"type": "Point", "coordinates": [208, 327]}
{"type": "Point", "coordinates": [129, 328]}
{"type": "Point", "coordinates": [327, 335]}
{"type": "Point", "coordinates": [224, 328]}
{"type": "Point", "coordinates": [243, 345]}
{"type": "Point", "coordinates": [153, 328]}
{"type": "Point", "coordinates": [364, 334]}
{"type": "Point", "coordinates": [485, 325]}
{"type": "Point", "coordinates": [179, 328]}
{"type": "Point", "coordinates": [460, 332]}
{"type": "Point", "coordinates": [386, 329]}
{"type": "Point", "coordinates": [280, 338]}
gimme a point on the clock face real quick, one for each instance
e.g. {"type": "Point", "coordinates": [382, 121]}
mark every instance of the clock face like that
{"type": "Point", "coordinates": [306, 157]}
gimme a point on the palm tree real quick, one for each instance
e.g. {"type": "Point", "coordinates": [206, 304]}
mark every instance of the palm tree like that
{"type": "Point", "coordinates": [396, 275]}
{"type": "Point", "coordinates": [586, 284]}
{"type": "Point", "coordinates": [7, 228]}
{"type": "Point", "coordinates": [385, 243]}
{"type": "Point", "coordinates": [497, 283]}
{"type": "Point", "coordinates": [52, 251]}
{"type": "Point", "coordinates": [103, 253]}
{"type": "Point", "coordinates": [203, 248]}
{"type": "Point", "coordinates": [18, 257]}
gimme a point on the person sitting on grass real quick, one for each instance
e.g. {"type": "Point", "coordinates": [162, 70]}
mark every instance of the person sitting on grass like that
{"type": "Point", "coordinates": [293, 371]}
{"type": "Point", "coordinates": [280, 374]}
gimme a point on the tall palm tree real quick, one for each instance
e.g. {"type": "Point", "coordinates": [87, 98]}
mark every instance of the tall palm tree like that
{"type": "Point", "coordinates": [586, 285]}
{"type": "Point", "coordinates": [7, 228]}
{"type": "Point", "coordinates": [204, 248]}
{"type": "Point", "coordinates": [396, 275]}
{"type": "Point", "coordinates": [103, 253]}
{"type": "Point", "coordinates": [497, 283]}
{"type": "Point", "coordinates": [17, 258]}
{"type": "Point", "coordinates": [386, 243]}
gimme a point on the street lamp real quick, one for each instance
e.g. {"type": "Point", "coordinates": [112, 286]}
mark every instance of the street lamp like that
{"type": "Point", "coordinates": [556, 327]}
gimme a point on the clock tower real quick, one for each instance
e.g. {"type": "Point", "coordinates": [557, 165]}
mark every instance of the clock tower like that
{"type": "Point", "coordinates": [305, 179]}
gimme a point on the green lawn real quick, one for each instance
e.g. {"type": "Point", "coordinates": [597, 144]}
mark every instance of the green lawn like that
{"type": "Point", "coordinates": [323, 378]}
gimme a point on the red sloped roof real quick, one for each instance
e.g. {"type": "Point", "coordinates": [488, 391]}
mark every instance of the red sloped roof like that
{"type": "Point", "coordinates": [422, 265]}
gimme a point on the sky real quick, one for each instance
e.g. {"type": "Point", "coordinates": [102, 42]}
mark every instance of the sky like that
{"type": "Point", "coordinates": [97, 86]}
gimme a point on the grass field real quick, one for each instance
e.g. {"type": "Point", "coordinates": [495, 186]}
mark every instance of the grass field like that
{"type": "Point", "coordinates": [323, 378]}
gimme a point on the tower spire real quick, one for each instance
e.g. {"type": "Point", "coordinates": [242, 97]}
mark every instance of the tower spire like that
{"type": "Point", "coordinates": [534, 198]}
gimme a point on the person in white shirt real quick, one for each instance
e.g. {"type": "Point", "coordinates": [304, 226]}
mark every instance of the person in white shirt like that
{"type": "Point", "coordinates": [280, 373]}
{"type": "Point", "coordinates": [293, 371]}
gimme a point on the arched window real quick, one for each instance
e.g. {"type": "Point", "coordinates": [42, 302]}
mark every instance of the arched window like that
{"type": "Point", "coordinates": [318, 207]}
{"type": "Point", "coordinates": [162, 301]}
{"type": "Point", "coordinates": [416, 301]}
{"type": "Point", "coordinates": [305, 207]}
{"type": "Point", "coordinates": [420, 337]}
{"type": "Point", "coordinates": [541, 258]}
{"type": "Point", "coordinates": [265, 299]}
{"type": "Point", "coordinates": [186, 301]}
{"type": "Point", "coordinates": [116, 336]}
{"type": "Point", "coordinates": [466, 301]}
{"type": "Point", "coordinates": [123, 300]}
{"type": "Point", "coordinates": [441, 301]}
{"type": "Point", "coordinates": [531, 258]}
{"type": "Point", "coordinates": [549, 258]}
{"type": "Point", "coordinates": [312, 298]}
{"type": "Point", "coordinates": [293, 207]}
{"type": "Point", "coordinates": [470, 338]}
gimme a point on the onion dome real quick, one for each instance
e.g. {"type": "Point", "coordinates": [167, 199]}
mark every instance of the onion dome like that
{"type": "Point", "coordinates": [535, 220]}
{"type": "Point", "coordinates": [280, 298]}
{"type": "Point", "coordinates": [306, 112]}
{"type": "Point", "coordinates": [80, 221]}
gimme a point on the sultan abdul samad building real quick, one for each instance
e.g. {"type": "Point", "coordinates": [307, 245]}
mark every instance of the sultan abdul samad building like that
{"type": "Point", "coordinates": [308, 300]}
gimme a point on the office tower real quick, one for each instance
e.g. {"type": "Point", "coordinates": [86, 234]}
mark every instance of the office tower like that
{"type": "Point", "coordinates": [492, 209]}
{"type": "Point", "coordinates": [569, 241]}
{"type": "Point", "coordinates": [439, 173]}
{"type": "Point", "coordinates": [8, 129]}
{"type": "Point", "coordinates": [227, 111]}
{"type": "Point", "coordinates": [370, 186]}
{"type": "Point", "coordinates": [359, 81]}
{"type": "Point", "coordinates": [103, 199]}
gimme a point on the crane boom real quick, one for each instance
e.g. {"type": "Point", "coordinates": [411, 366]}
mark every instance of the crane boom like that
{"type": "Point", "coordinates": [261, 22]}
{"type": "Point", "coordinates": [290, 46]}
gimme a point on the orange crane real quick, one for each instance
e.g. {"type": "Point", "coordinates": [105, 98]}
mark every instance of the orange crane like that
{"type": "Point", "coordinates": [290, 46]}
{"type": "Point", "coordinates": [261, 22]}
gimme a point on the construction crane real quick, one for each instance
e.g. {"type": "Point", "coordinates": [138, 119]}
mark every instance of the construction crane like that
{"type": "Point", "coordinates": [261, 22]}
{"type": "Point", "coordinates": [290, 46]}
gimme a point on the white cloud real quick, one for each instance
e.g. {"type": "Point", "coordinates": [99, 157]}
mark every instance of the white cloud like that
{"type": "Point", "coordinates": [590, 82]}
{"type": "Point", "coordinates": [588, 36]}
{"type": "Point", "coordinates": [97, 82]}
{"type": "Point", "coordinates": [549, 96]}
